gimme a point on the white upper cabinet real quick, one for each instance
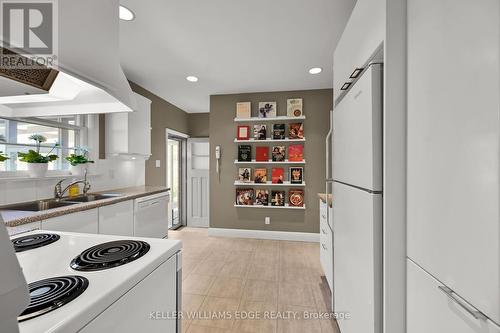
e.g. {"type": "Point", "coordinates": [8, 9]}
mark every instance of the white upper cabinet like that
{"type": "Point", "coordinates": [363, 34]}
{"type": "Point", "coordinates": [129, 134]}
{"type": "Point", "coordinates": [453, 146]}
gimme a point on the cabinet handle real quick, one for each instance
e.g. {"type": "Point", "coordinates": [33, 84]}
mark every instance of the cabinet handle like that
{"type": "Point", "coordinates": [345, 86]}
{"type": "Point", "coordinates": [473, 312]}
{"type": "Point", "coordinates": [356, 72]}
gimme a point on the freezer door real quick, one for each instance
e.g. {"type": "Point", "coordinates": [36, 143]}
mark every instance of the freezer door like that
{"type": "Point", "coordinates": [357, 270]}
{"type": "Point", "coordinates": [357, 133]}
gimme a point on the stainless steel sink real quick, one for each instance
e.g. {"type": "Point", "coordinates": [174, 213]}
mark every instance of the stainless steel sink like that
{"type": "Point", "coordinates": [37, 206]}
{"type": "Point", "coordinates": [91, 197]}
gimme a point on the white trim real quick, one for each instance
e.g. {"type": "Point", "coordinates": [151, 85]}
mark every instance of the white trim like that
{"type": "Point", "coordinates": [176, 133]}
{"type": "Point", "coordinates": [265, 234]}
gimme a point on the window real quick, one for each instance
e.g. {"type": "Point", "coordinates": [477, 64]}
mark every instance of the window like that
{"type": "Point", "coordinates": [67, 131]}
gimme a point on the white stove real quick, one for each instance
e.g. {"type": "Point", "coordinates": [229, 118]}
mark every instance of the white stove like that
{"type": "Point", "coordinates": [124, 293]}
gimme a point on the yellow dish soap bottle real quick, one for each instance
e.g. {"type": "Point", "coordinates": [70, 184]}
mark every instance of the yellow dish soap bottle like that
{"type": "Point", "coordinates": [74, 191]}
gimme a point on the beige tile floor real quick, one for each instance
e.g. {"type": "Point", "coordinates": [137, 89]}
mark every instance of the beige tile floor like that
{"type": "Point", "coordinates": [235, 276]}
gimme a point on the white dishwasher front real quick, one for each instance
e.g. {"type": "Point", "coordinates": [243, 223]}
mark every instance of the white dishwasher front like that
{"type": "Point", "coordinates": [151, 215]}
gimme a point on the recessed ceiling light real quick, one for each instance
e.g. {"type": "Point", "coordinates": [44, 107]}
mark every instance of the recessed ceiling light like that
{"type": "Point", "coordinates": [315, 70]}
{"type": "Point", "coordinates": [126, 14]}
{"type": "Point", "coordinates": [192, 78]}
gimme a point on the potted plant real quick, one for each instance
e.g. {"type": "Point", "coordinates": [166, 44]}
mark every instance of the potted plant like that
{"type": "Point", "coordinates": [38, 163]}
{"type": "Point", "coordinates": [3, 157]}
{"type": "Point", "coordinates": [78, 161]}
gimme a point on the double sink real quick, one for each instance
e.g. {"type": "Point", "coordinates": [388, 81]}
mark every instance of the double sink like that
{"type": "Point", "coordinates": [41, 205]}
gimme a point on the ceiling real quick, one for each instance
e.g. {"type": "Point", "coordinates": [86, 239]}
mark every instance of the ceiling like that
{"type": "Point", "coordinates": [233, 46]}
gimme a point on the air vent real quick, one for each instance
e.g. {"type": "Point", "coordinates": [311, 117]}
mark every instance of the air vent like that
{"type": "Point", "coordinates": [40, 77]}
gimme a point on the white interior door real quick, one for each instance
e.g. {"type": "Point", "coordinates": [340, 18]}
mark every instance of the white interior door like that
{"type": "Point", "coordinates": [197, 182]}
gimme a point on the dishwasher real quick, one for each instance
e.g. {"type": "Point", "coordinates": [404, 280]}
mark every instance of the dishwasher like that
{"type": "Point", "coordinates": [151, 215]}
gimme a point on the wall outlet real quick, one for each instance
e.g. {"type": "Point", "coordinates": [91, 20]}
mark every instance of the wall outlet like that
{"type": "Point", "coordinates": [267, 220]}
{"type": "Point", "coordinates": [157, 163]}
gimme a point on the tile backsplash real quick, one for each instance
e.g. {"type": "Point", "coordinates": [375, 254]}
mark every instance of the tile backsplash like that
{"type": "Point", "coordinates": [103, 175]}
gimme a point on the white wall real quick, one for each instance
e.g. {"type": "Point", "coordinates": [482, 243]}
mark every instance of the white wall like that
{"type": "Point", "coordinates": [103, 175]}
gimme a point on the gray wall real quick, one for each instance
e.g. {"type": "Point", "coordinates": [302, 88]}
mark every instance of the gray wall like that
{"type": "Point", "coordinates": [166, 115]}
{"type": "Point", "coordinates": [198, 125]}
{"type": "Point", "coordinates": [317, 104]}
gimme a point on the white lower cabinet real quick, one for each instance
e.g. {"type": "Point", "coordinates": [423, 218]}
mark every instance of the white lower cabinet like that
{"type": "Point", "coordinates": [85, 221]}
{"type": "Point", "coordinates": [326, 244]}
{"type": "Point", "coordinates": [431, 310]}
{"type": "Point", "coordinates": [117, 219]}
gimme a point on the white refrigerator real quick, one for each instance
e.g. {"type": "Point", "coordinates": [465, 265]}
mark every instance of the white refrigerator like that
{"type": "Point", "coordinates": [357, 204]}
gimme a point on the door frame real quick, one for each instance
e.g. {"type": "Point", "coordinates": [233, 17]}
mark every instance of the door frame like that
{"type": "Point", "coordinates": [183, 180]}
{"type": "Point", "coordinates": [189, 161]}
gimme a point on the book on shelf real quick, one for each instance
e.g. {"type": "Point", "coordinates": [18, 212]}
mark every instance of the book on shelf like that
{"type": "Point", "coordinates": [243, 110]}
{"type": "Point", "coordinates": [244, 153]}
{"type": "Point", "coordinates": [296, 175]}
{"type": "Point", "coordinates": [244, 196]}
{"type": "Point", "coordinates": [278, 154]}
{"type": "Point", "coordinates": [296, 153]}
{"type": "Point", "coordinates": [261, 197]}
{"type": "Point", "coordinates": [294, 107]}
{"type": "Point", "coordinates": [278, 131]}
{"type": "Point", "coordinates": [260, 176]}
{"type": "Point", "coordinates": [243, 132]}
{"type": "Point", "coordinates": [277, 175]}
{"type": "Point", "coordinates": [245, 174]}
{"type": "Point", "coordinates": [277, 198]}
{"type": "Point", "coordinates": [262, 154]}
{"type": "Point", "coordinates": [296, 198]}
{"type": "Point", "coordinates": [296, 131]}
{"type": "Point", "coordinates": [260, 132]}
{"type": "Point", "coordinates": [267, 109]}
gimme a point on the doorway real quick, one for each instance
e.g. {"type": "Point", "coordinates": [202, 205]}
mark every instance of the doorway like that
{"type": "Point", "coordinates": [176, 177]}
{"type": "Point", "coordinates": [198, 182]}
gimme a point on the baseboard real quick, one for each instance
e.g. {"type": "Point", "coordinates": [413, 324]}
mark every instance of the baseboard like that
{"type": "Point", "coordinates": [265, 234]}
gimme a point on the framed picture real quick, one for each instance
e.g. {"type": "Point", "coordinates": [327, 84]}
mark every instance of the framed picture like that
{"type": "Point", "coordinates": [244, 174]}
{"type": "Point", "coordinates": [244, 196]}
{"type": "Point", "coordinates": [260, 176]}
{"type": "Point", "coordinates": [243, 132]}
{"type": "Point", "coordinates": [260, 132]}
{"type": "Point", "coordinates": [277, 198]}
{"type": "Point", "coordinates": [267, 109]}
{"type": "Point", "coordinates": [296, 198]}
{"type": "Point", "coordinates": [262, 197]}
{"type": "Point", "coordinates": [296, 175]}
{"type": "Point", "coordinates": [294, 107]}
{"type": "Point", "coordinates": [243, 110]}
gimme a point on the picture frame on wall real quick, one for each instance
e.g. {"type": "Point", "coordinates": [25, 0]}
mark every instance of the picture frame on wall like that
{"type": "Point", "coordinates": [294, 107]}
{"type": "Point", "coordinates": [243, 110]}
{"type": "Point", "coordinates": [243, 132]}
{"type": "Point", "coordinates": [267, 109]}
{"type": "Point", "coordinates": [296, 175]}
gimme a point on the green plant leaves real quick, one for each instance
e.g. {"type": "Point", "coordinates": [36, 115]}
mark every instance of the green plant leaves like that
{"type": "Point", "coordinates": [33, 157]}
{"type": "Point", "coordinates": [75, 159]}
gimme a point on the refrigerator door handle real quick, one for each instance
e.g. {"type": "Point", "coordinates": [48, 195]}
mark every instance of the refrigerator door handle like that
{"type": "Point", "coordinates": [473, 312]}
{"type": "Point", "coordinates": [327, 146]}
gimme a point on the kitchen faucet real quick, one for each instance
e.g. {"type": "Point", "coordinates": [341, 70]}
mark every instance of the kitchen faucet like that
{"type": "Point", "coordinates": [59, 192]}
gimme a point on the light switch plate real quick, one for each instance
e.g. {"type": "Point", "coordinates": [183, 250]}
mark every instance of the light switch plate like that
{"type": "Point", "coordinates": [157, 163]}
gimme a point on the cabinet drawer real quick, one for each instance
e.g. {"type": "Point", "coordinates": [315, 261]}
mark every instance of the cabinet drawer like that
{"type": "Point", "coordinates": [430, 310]}
{"type": "Point", "coordinates": [86, 222]}
{"type": "Point", "coordinates": [326, 251]}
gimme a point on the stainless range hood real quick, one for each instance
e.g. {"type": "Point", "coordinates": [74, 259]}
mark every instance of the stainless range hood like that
{"type": "Point", "coordinates": [88, 75]}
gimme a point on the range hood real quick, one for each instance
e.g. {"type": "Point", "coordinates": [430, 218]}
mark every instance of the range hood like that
{"type": "Point", "coordinates": [87, 78]}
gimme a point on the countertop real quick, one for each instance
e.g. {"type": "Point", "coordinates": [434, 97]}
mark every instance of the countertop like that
{"type": "Point", "coordinates": [322, 197]}
{"type": "Point", "coordinates": [13, 218]}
